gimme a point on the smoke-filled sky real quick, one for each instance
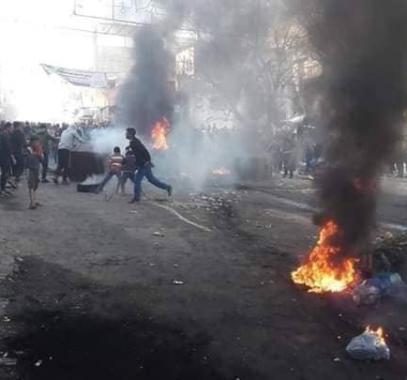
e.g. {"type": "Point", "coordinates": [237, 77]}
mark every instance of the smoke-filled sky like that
{"type": "Point", "coordinates": [34, 30]}
{"type": "Point", "coordinates": [41, 31]}
{"type": "Point", "coordinates": [28, 36]}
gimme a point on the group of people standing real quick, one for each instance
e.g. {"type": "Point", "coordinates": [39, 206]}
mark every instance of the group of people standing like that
{"type": "Point", "coordinates": [21, 149]}
{"type": "Point", "coordinates": [296, 150]}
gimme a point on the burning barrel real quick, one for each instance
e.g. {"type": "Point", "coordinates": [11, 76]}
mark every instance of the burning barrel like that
{"type": "Point", "coordinates": [85, 163]}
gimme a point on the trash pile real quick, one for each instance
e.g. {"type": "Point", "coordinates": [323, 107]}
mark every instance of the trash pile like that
{"type": "Point", "coordinates": [366, 294]}
{"type": "Point", "coordinates": [389, 256]}
{"type": "Point", "coordinates": [369, 346]}
{"type": "Point", "coordinates": [390, 252]}
{"type": "Point", "coordinates": [382, 285]}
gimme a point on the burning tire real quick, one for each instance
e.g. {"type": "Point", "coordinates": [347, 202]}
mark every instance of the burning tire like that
{"type": "Point", "coordinates": [81, 188]}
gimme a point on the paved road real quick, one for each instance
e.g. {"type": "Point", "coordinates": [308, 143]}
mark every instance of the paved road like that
{"type": "Point", "coordinates": [196, 287]}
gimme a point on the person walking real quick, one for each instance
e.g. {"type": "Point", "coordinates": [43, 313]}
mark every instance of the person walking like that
{"type": "Point", "coordinates": [6, 160]}
{"type": "Point", "coordinates": [17, 142]}
{"type": "Point", "coordinates": [114, 168]}
{"type": "Point", "coordinates": [69, 138]}
{"type": "Point", "coordinates": [129, 169]}
{"type": "Point", "coordinates": [144, 166]}
{"type": "Point", "coordinates": [46, 139]}
{"type": "Point", "coordinates": [289, 155]}
{"type": "Point", "coordinates": [35, 157]}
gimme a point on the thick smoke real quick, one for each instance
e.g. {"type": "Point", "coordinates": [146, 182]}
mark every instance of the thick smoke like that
{"type": "Point", "coordinates": [146, 95]}
{"type": "Point", "coordinates": [222, 78]}
{"type": "Point", "coordinates": [233, 55]}
{"type": "Point", "coordinates": [104, 140]}
{"type": "Point", "coordinates": [362, 48]}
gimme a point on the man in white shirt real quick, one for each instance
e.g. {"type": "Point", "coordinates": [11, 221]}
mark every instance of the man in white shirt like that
{"type": "Point", "coordinates": [69, 138]}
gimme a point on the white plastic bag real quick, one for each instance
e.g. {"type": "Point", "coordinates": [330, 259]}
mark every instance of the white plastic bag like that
{"type": "Point", "coordinates": [369, 346]}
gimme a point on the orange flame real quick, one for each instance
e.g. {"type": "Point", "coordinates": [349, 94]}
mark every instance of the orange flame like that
{"type": "Point", "coordinates": [221, 172]}
{"type": "Point", "coordinates": [379, 333]}
{"type": "Point", "coordinates": [324, 271]}
{"type": "Point", "coordinates": [159, 134]}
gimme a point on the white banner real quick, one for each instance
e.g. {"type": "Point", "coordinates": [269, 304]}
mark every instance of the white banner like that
{"type": "Point", "coordinates": [79, 77]}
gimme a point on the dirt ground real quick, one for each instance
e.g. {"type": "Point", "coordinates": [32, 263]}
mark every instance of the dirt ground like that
{"type": "Point", "coordinates": [197, 287]}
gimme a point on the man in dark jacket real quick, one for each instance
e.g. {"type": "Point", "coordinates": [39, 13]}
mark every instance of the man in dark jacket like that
{"type": "Point", "coordinates": [5, 158]}
{"type": "Point", "coordinates": [17, 140]}
{"type": "Point", "coordinates": [144, 166]}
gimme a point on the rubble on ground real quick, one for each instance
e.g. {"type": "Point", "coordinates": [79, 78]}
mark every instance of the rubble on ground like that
{"type": "Point", "coordinates": [390, 253]}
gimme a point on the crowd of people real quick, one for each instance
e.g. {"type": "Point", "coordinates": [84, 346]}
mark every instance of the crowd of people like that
{"type": "Point", "coordinates": [31, 147]}
{"type": "Point", "coordinates": [28, 148]}
{"type": "Point", "coordinates": [290, 149]}
{"type": "Point", "coordinates": [301, 151]}
{"type": "Point", "coordinates": [296, 151]}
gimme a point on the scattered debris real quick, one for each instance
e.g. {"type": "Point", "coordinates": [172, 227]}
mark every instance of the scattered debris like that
{"type": "Point", "coordinates": [388, 283]}
{"type": "Point", "coordinates": [369, 346]}
{"type": "Point", "coordinates": [390, 252]}
{"type": "Point", "coordinates": [8, 362]}
{"type": "Point", "coordinates": [158, 234]}
{"type": "Point", "coordinates": [381, 285]}
{"type": "Point", "coordinates": [220, 203]}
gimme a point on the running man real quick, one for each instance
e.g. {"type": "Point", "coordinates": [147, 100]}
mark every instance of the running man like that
{"type": "Point", "coordinates": [144, 166]}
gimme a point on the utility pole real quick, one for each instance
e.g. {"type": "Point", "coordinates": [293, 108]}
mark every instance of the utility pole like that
{"type": "Point", "coordinates": [95, 51]}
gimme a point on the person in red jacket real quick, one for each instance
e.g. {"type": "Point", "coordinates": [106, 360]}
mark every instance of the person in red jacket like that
{"type": "Point", "coordinates": [114, 168]}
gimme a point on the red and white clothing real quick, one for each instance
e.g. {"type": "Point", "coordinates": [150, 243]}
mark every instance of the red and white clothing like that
{"type": "Point", "coordinates": [115, 163]}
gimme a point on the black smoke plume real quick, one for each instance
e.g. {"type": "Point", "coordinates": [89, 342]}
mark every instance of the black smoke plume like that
{"type": "Point", "coordinates": [362, 48]}
{"type": "Point", "coordinates": [146, 95]}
